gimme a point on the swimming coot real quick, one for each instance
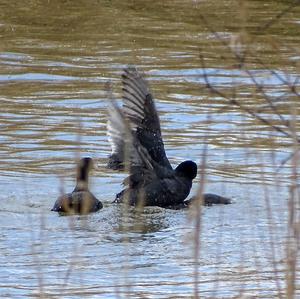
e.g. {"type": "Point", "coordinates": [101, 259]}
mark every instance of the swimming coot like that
{"type": "Point", "coordinates": [134, 132]}
{"type": "Point", "coordinates": [81, 200]}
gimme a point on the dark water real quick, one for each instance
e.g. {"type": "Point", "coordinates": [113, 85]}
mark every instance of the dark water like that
{"type": "Point", "coordinates": [55, 60]}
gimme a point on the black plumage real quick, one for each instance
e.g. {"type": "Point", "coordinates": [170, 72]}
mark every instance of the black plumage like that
{"type": "Point", "coordinates": [136, 130]}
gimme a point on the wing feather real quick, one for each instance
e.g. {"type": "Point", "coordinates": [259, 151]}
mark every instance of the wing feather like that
{"type": "Point", "coordinates": [139, 107]}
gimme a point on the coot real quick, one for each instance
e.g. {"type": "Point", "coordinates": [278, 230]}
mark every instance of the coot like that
{"type": "Point", "coordinates": [134, 132]}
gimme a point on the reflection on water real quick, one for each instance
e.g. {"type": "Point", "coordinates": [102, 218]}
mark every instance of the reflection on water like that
{"type": "Point", "coordinates": [56, 57]}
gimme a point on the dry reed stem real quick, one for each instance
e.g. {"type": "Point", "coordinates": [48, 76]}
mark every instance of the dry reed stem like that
{"type": "Point", "coordinates": [286, 128]}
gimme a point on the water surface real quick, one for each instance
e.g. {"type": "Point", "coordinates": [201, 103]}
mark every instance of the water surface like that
{"type": "Point", "coordinates": [56, 58]}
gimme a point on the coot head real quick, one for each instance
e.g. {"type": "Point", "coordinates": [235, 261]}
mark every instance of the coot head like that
{"type": "Point", "coordinates": [187, 169]}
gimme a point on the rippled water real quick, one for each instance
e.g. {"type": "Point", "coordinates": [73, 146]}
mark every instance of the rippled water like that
{"type": "Point", "coordinates": [55, 60]}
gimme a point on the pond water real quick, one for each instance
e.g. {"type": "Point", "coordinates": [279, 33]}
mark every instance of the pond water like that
{"type": "Point", "coordinates": [55, 60]}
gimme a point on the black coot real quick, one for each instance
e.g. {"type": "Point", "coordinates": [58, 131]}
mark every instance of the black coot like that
{"type": "Point", "coordinates": [136, 130]}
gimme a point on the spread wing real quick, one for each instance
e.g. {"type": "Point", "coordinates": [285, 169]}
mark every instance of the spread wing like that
{"type": "Point", "coordinates": [139, 107]}
{"type": "Point", "coordinates": [121, 134]}
{"type": "Point", "coordinates": [140, 110]}
{"type": "Point", "coordinates": [142, 167]}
